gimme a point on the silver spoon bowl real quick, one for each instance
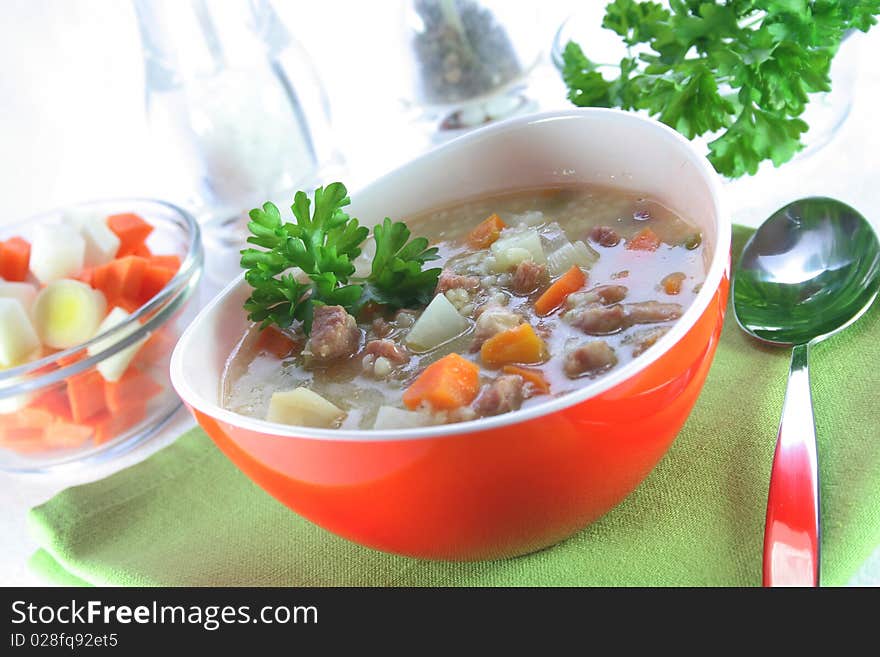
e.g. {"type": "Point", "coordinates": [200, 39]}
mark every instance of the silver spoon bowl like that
{"type": "Point", "coordinates": [809, 271]}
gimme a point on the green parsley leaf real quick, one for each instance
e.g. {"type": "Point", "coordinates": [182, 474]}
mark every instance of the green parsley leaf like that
{"type": "Point", "coordinates": [743, 67]}
{"type": "Point", "coordinates": [322, 243]}
{"type": "Point", "coordinates": [397, 279]}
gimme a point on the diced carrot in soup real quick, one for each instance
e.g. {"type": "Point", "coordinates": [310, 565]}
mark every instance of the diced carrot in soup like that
{"type": "Point", "coordinates": [672, 283]}
{"type": "Point", "coordinates": [516, 345]}
{"type": "Point", "coordinates": [272, 341]}
{"type": "Point", "coordinates": [486, 232]}
{"type": "Point", "coordinates": [131, 230]}
{"type": "Point", "coordinates": [534, 378]}
{"type": "Point", "coordinates": [15, 254]}
{"type": "Point", "coordinates": [446, 384]}
{"type": "Point", "coordinates": [555, 295]}
{"type": "Point", "coordinates": [645, 240]}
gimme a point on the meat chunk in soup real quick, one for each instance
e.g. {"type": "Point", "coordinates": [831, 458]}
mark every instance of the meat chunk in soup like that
{"type": "Point", "coordinates": [604, 294]}
{"type": "Point", "coordinates": [590, 358]}
{"type": "Point", "coordinates": [528, 277]}
{"type": "Point", "coordinates": [605, 236]}
{"type": "Point", "coordinates": [595, 319]}
{"type": "Point", "coordinates": [451, 281]}
{"type": "Point", "coordinates": [395, 353]}
{"type": "Point", "coordinates": [503, 395]}
{"type": "Point", "coordinates": [651, 312]}
{"type": "Point", "coordinates": [335, 334]}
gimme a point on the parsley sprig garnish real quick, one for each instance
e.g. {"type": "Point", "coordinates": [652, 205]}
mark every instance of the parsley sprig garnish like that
{"type": "Point", "coordinates": [742, 67]}
{"type": "Point", "coordinates": [323, 244]}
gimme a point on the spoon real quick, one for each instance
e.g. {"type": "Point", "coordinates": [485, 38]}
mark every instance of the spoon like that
{"type": "Point", "coordinates": [809, 271]}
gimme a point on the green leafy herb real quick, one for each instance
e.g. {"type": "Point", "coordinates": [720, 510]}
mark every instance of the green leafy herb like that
{"type": "Point", "coordinates": [743, 67]}
{"type": "Point", "coordinates": [323, 244]}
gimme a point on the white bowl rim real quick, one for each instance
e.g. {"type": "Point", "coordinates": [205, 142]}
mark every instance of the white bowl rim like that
{"type": "Point", "coordinates": [717, 270]}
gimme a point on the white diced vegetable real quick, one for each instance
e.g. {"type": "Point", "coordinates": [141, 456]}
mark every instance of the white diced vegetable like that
{"type": "Point", "coordinates": [113, 367]}
{"type": "Point", "coordinates": [56, 252]}
{"type": "Point", "coordinates": [512, 257]}
{"type": "Point", "coordinates": [440, 323]}
{"type": "Point", "coordinates": [101, 242]}
{"type": "Point", "coordinates": [530, 218]}
{"type": "Point", "coordinates": [19, 339]}
{"type": "Point", "coordinates": [305, 408]}
{"type": "Point", "coordinates": [390, 417]}
{"type": "Point", "coordinates": [575, 253]}
{"type": "Point", "coordinates": [24, 293]}
{"type": "Point", "coordinates": [509, 246]}
{"type": "Point", "coordinates": [67, 313]}
{"type": "Point", "coordinates": [553, 237]}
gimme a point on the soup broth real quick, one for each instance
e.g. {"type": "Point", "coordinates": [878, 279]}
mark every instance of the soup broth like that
{"type": "Point", "coordinates": [640, 266]}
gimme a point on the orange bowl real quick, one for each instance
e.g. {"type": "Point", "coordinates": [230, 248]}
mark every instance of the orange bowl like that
{"type": "Point", "coordinates": [517, 482]}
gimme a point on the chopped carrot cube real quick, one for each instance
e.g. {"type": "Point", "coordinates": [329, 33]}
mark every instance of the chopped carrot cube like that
{"type": "Point", "coordinates": [154, 279]}
{"type": "Point", "coordinates": [555, 295]}
{"type": "Point", "coordinates": [486, 232]}
{"type": "Point", "coordinates": [67, 434]}
{"type": "Point", "coordinates": [645, 240]}
{"type": "Point", "coordinates": [131, 230]}
{"type": "Point", "coordinates": [516, 345]}
{"type": "Point", "coordinates": [86, 395]}
{"type": "Point", "coordinates": [445, 384]}
{"type": "Point", "coordinates": [275, 342]}
{"type": "Point", "coordinates": [110, 425]}
{"type": "Point", "coordinates": [142, 251]}
{"type": "Point", "coordinates": [15, 255]}
{"type": "Point", "coordinates": [672, 283]}
{"type": "Point", "coordinates": [120, 280]}
{"type": "Point", "coordinates": [135, 387]}
{"type": "Point", "coordinates": [56, 402]}
{"type": "Point", "coordinates": [171, 262]}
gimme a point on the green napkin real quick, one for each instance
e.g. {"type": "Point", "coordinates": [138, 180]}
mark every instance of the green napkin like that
{"type": "Point", "coordinates": [187, 516]}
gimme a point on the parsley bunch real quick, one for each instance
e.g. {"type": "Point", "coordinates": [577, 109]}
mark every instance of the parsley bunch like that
{"type": "Point", "coordinates": [743, 67]}
{"type": "Point", "coordinates": [323, 244]}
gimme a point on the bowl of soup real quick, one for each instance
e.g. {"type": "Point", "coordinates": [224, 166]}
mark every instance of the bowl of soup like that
{"type": "Point", "coordinates": [584, 262]}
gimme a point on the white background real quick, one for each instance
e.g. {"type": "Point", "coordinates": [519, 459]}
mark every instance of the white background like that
{"type": "Point", "coordinates": [72, 128]}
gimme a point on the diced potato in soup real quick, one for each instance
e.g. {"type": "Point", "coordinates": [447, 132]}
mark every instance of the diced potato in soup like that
{"type": "Point", "coordinates": [555, 289]}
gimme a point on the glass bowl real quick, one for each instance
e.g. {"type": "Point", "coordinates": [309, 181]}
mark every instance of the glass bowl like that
{"type": "Point", "coordinates": [38, 429]}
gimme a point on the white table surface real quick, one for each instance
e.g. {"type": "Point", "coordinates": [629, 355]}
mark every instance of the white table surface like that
{"type": "Point", "coordinates": [72, 128]}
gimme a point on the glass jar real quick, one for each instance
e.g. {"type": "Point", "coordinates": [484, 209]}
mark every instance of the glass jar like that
{"type": "Point", "coordinates": [466, 61]}
{"type": "Point", "coordinates": [236, 111]}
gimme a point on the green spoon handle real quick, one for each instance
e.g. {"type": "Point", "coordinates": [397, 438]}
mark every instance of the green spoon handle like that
{"type": "Point", "coordinates": [791, 533]}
